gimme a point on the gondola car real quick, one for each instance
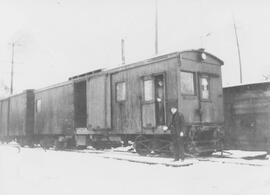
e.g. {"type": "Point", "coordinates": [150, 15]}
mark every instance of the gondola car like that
{"type": "Point", "coordinates": [132, 102]}
{"type": "Point", "coordinates": [247, 116]}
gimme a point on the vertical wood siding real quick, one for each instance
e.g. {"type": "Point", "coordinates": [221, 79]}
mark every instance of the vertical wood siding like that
{"type": "Point", "coordinates": [212, 110]}
{"type": "Point", "coordinates": [4, 117]}
{"type": "Point", "coordinates": [98, 102]}
{"type": "Point", "coordinates": [127, 115]}
{"type": "Point", "coordinates": [21, 114]}
{"type": "Point", "coordinates": [247, 111]}
{"type": "Point", "coordinates": [17, 115]}
{"type": "Point", "coordinates": [57, 110]}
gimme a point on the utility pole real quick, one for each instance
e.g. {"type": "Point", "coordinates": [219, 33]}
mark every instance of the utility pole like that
{"type": "Point", "coordinates": [13, 44]}
{"type": "Point", "coordinates": [156, 27]}
{"type": "Point", "coordinates": [238, 49]}
{"type": "Point", "coordinates": [12, 68]}
{"type": "Point", "coordinates": [123, 50]}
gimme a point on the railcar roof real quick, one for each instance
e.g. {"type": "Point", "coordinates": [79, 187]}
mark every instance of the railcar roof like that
{"type": "Point", "coordinates": [243, 85]}
{"type": "Point", "coordinates": [143, 62]}
{"type": "Point", "coordinates": [140, 63]}
{"type": "Point", "coordinates": [14, 95]}
{"type": "Point", "coordinates": [118, 68]}
{"type": "Point", "coordinates": [203, 51]}
{"type": "Point", "coordinates": [4, 98]}
{"type": "Point", "coordinates": [53, 86]}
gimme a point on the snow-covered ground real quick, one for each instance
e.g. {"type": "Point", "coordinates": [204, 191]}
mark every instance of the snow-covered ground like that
{"type": "Point", "coordinates": [34, 172]}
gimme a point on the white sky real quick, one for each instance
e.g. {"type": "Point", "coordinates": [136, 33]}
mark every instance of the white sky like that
{"type": "Point", "coordinates": [62, 38]}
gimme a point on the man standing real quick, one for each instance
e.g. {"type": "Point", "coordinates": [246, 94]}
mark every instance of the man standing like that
{"type": "Point", "coordinates": [177, 132]}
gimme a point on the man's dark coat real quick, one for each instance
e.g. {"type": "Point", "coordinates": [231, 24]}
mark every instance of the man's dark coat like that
{"type": "Point", "coordinates": [177, 124]}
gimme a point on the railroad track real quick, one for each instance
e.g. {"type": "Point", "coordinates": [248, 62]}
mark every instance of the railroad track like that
{"type": "Point", "coordinates": [154, 159]}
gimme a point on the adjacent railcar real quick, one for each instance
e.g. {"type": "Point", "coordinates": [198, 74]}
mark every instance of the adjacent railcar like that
{"type": "Point", "coordinates": [17, 117]}
{"type": "Point", "coordinates": [132, 102]}
{"type": "Point", "coordinates": [247, 116]}
{"type": "Point", "coordinates": [4, 110]}
{"type": "Point", "coordinates": [54, 114]}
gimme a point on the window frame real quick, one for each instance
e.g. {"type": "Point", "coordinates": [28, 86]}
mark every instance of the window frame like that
{"type": "Point", "coordinates": [194, 83]}
{"type": "Point", "coordinates": [207, 77]}
{"type": "Point", "coordinates": [116, 92]}
{"type": "Point", "coordinates": [38, 105]}
{"type": "Point", "coordinates": [149, 78]}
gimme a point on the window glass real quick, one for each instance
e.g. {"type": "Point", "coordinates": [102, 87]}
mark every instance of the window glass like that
{"type": "Point", "coordinates": [187, 83]}
{"type": "Point", "coordinates": [38, 105]}
{"type": "Point", "coordinates": [204, 88]}
{"type": "Point", "coordinates": [121, 91]}
{"type": "Point", "coordinates": [148, 90]}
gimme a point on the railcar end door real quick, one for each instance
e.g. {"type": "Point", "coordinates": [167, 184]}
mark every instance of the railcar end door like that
{"type": "Point", "coordinates": [205, 99]}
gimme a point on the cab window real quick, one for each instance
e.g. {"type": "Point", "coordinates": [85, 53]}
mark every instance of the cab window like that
{"type": "Point", "coordinates": [187, 83]}
{"type": "Point", "coordinates": [121, 91]}
{"type": "Point", "coordinates": [148, 86]}
{"type": "Point", "coordinates": [38, 105]}
{"type": "Point", "coordinates": [204, 82]}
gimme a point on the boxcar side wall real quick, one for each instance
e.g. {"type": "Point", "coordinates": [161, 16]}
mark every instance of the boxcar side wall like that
{"type": "Point", "coordinates": [21, 114]}
{"type": "Point", "coordinates": [30, 112]}
{"type": "Point", "coordinates": [54, 110]}
{"type": "Point", "coordinates": [99, 102]}
{"type": "Point", "coordinates": [248, 116]}
{"type": "Point", "coordinates": [127, 113]}
{"type": "Point", "coordinates": [17, 115]}
{"type": "Point", "coordinates": [193, 106]}
{"type": "Point", "coordinates": [4, 117]}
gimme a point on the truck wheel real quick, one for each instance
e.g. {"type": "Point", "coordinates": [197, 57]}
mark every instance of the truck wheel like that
{"type": "Point", "coordinates": [142, 145]}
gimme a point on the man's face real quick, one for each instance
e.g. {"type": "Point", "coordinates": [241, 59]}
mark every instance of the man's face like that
{"type": "Point", "coordinates": [173, 110]}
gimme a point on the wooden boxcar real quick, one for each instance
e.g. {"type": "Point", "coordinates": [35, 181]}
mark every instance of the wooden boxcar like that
{"type": "Point", "coordinates": [17, 116]}
{"type": "Point", "coordinates": [4, 107]}
{"type": "Point", "coordinates": [127, 103]}
{"type": "Point", "coordinates": [247, 116]}
{"type": "Point", "coordinates": [133, 102]}
{"type": "Point", "coordinates": [54, 113]}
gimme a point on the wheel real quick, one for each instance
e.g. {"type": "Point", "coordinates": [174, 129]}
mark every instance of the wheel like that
{"type": "Point", "coordinates": [46, 143]}
{"type": "Point", "coordinates": [60, 143]}
{"type": "Point", "coordinates": [190, 148]}
{"type": "Point", "coordinates": [205, 154]}
{"type": "Point", "coordinates": [81, 147]}
{"type": "Point", "coordinates": [142, 145]}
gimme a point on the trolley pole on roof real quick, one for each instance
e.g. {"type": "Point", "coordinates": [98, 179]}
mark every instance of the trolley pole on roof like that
{"type": "Point", "coordinates": [156, 27]}
{"type": "Point", "coordinates": [238, 49]}
{"type": "Point", "coordinates": [123, 50]}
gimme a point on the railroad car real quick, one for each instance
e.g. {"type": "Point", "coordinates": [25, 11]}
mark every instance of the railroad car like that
{"type": "Point", "coordinates": [132, 102]}
{"type": "Point", "coordinates": [247, 116]}
{"type": "Point", "coordinates": [54, 114]}
{"type": "Point", "coordinates": [17, 117]}
{"type": "Point", "coordinates": [4, 107]}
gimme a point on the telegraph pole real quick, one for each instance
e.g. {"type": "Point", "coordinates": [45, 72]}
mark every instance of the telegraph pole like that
{"type": "Point", "coordinates": [123, 50]}
{"type": "Point", "coordinates": [13, 45]}
{"type": "Point", "coordinates": [12, 68]}
{"type": "Point", "coordinates": [156, 27]}
{"type": "Point", "coordinates": [238, 49]}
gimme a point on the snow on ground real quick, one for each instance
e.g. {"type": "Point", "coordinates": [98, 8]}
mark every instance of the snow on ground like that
{"type": "Point", "coordinates": [34, 172]}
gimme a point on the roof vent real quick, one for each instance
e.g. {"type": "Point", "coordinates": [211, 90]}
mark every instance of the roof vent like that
{"type": "Point", "coordinates": [201, 50]}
